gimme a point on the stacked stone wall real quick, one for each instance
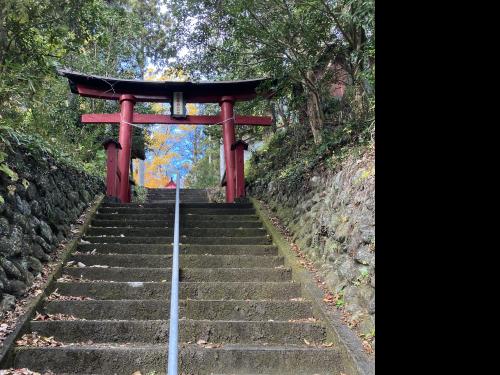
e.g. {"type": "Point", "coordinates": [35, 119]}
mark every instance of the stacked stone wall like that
{"type": "Point", "coordinates": [36, 215]}
{"type": "Point", "coordinates": [332, 218]}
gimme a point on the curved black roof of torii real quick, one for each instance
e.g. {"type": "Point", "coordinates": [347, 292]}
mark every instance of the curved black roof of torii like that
{"type": "Point", "coordinates": [161, 91]}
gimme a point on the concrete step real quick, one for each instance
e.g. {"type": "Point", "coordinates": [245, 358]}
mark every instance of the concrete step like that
{"type": "Point", "coordinates": [171, 200]}
{"type": "Point", "coordinates": [186, 274]}
{"type": "Point", "coordinates": [184, 240]}
{"type": "Point", "coordinates": [166, 249]}
{"type": "Point", "coordinates": [172, 191]}
{"type": "Point", "coordinates": [205, 211]}
{"type": "Point", "coordinates": [183, 200]}
{"type": "Point", "coordinates": [193, 290]}
{"type": "Point", "coordinates": [156, 331]}
{"type": "Point", "coordinates": [193, 359]}
{"type": "Point", "coordinates": [186, 260]}
{"type": "Point", "coordinates": [169, 217]}
{"type": "Point", "coordinates": [186, 223]}
{"type": "Point", "coordinates": [200, 205]}
{"type": "Point", "coordinates": [198, 232]}
{"type": "Point", "coordinates": [192, 309]}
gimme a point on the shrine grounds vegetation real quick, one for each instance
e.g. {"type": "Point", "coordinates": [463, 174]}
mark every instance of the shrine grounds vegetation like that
{"type": "Point", "coordinates": [39, 36]}
{"type": "Point", "coordinates": [308, 47]}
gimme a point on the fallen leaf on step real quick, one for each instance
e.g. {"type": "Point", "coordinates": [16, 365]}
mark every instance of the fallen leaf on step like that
{"type": "Point", "coordinates": [32, 339]}
{"type": "Point", "coordinates": [58, 316]}
{"type": "Point", "coordinates": [307, 342]}
{"type": "Point", "coordinates": [367, 347]}
{"type": "Point", "coordinates": [201, 342]}
{"type": "Point", "coordinates": [137, 373]}
{"type": "Point", "coordinates": [81, 265]}
{"type": "Point", "coordinates": [327, 345]}
{"type": "Point", "coordinates": [212, 346]}
{"type": "Point", "coordinates": [23, 371]}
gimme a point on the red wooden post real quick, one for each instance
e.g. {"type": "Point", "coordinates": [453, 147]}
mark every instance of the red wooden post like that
{"type": "Point", "coordinates": [125, 138]}
{"type": "Point", "coordinates": [239, 148]}
{"type": "Point", "coordinates": [227, 115]}
{"type": "Point", "coordinates": [111, 147]}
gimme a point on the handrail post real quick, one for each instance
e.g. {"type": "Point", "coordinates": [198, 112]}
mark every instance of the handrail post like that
{"type": "Point", "coordinates": [174, 294]}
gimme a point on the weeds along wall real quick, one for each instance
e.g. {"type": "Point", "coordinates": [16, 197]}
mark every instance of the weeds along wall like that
{"type": "Point", "coordinates": [328, 204]}
{"type": "Point", "coordinates": [39, 198]}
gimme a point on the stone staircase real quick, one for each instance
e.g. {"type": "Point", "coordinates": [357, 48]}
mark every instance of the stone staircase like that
{"type": "Point", "coordinates": [240, 311]}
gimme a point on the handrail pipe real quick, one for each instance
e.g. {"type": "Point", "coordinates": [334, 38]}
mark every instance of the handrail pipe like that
{"type": "Point", "coordinates": [174, 294]}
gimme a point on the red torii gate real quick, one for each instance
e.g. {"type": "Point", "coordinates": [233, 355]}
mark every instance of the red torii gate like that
{"type": "Point", "coordinates": [128, 92]}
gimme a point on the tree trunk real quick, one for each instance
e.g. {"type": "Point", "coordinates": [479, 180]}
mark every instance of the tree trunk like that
{"type": "Point", "coordinates": [315, 115]}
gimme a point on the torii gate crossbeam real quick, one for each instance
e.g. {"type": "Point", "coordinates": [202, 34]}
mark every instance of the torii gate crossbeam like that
{"type": "Point", "coordinates": [128, 92]}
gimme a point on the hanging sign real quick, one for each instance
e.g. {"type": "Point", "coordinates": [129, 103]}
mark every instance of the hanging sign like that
{"type": "Point", "coordinates": [178, 106]}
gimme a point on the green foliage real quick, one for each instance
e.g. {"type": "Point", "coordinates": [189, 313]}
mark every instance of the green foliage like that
{"type": "Point", "coordinates": [204, 171]}
{"type": "Point", "coordinates": [140, 193]}
{"type": "Point", "coordinates": [105, 37]}
{"type": "Point", "coordinates": [290, 155]}
{"type": "Point", "coordinates": [301, 44]}
{"type": "Point", "coordinates": [364, 276]}
{"type": "Point", "coordinates": [340, 299]}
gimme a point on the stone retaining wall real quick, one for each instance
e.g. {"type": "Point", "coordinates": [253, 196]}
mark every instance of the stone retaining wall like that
{"type": "Point", "coordinates": [332, 218]}
{"type": "Point", "coordinates": [36, 215]}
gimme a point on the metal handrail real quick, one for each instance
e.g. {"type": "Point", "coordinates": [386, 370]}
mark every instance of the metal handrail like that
{"type": "Point", "coordinates": [174, 293]}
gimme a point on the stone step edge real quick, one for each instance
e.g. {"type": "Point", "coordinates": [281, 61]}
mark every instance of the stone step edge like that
{"type": "Point", "coordinates": [138, 321]}
{"type": "Point", "coordinates": [112, 345]}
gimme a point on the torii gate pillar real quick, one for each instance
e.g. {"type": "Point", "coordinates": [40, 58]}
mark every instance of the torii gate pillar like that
{"type": "Point", "coordinates": [125, 139]}
{"type": "Point", "coordinates": [111, 147]}
{"type": "Point", "coordinates": [228, 134]}
{"type": "Point", "coordinates": [239, 157]}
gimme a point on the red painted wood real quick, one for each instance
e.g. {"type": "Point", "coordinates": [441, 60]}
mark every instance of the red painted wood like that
{"type": "Point", "coordinates": [228, 136]}
{"type": "Point", "coordinates": [171, 184]}
{"type": "Point", "coordinates": [253, 120]}
{"type": "Point", "coordinates": [125, 138]}
{"type": "Point", "coordinates": [139, 118]}
{"type": "Point", "coordinates": [110, 94]}
{"type": "Point", "coordinates": [111, 168]}
{"type": "Point", "coordinates": [239, 151]}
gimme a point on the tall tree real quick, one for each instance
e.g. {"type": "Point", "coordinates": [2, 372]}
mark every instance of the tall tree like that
{"type": "Point", "coordinates": [299, 42]}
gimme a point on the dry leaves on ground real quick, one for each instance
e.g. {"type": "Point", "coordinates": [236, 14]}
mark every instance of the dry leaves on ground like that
{"type": "Point", "coordinates": [5, 329]}
{"type": "Point", "coordinates": [316, 345]}
{"type": "Point", "coordinates": [208, 345]}
{"type": "Point", "coordinates": [68, 279]}
{"type": "Point", "coordinates": [33, 339]}
{"type": "Point", "coordinates": [367, 347]}
{"type": "Point", "coordinates": [58, 316]}
{"type": "Point", "coordinates": [23, 371]}
{"type": "Point", "coordinates": [57, 297]}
